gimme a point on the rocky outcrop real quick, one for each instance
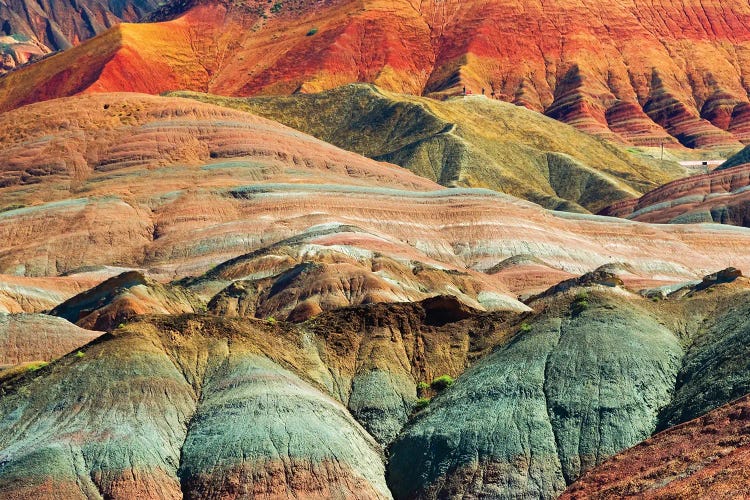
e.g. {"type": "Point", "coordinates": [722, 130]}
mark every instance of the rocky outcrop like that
{"type": "Point", "coordinates": [196, 380]}
{"type": "Point", "coordinates": [715, 368]}
{"type": "Point", "coordinates": [643, 73]}
{"type": "Point", "coordinates": [562, 395]}
{"type": "Point", "coordinates": [123, 297]}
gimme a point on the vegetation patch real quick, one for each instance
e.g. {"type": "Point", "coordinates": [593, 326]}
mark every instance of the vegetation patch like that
{"type": "Point", "coordinates": [421, 404]}
{"type": "Point", "coordinates": [580, 303]}
{"type": "Point", "coordinates": [442, 382]}
{"type": "Point", "coordinates": [312, 31]}
{"type": "Point", "coordinates": [36, 366]}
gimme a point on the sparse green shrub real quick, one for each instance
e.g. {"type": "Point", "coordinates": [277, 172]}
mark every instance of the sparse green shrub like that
{"type": "Point", "coordinates": [312, 31]}
{"type": "Point", "coordinates": [271, 320]}
{"type": "Point", "coordinates": [442, 382]}
{"type": "Point", "coordinates": [580, 303]}
{"type": "Point", "coordinates": [36, 366]}
{"type": "Point", "coordinates": [80, 354]}
{"type": "Point", "coordinates": [525, 327]}
{"type": "Point", "coordinates": [421, 404]}
{"type": "Point", "coordinates": [276, 8]}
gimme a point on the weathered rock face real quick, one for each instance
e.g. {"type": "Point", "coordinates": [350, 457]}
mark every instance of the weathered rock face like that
{"type": "Point", "coordinates": [470, 142]}
{"type": "Point", "coordinates": [17, 50]}
{"type": "Point", "coordinates": [238, 407]}
{"type": "Point", "coordinates": [563, 394]}
{"type": "Point", "coordinates": [705, 458]}
{"type": "Point", "coordinates": [715, 368]}
{"type": "Point", "coordinates": [635, 72]}
{"type": "Point", "coordinates": [197, 380]}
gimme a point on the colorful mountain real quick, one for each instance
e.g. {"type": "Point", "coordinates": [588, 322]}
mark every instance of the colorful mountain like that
{"type": "Point", "coordinates": [642, 73]}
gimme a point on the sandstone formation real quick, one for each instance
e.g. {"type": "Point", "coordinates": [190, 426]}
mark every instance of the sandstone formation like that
{"type": "Point", "coordinates": [470, 142]}
{"type": "Point", "coordinates": [643, 73]}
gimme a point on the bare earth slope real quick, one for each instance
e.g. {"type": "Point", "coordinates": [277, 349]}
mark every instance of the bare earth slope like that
{"type": "Point", "coordinates": [637, 72]}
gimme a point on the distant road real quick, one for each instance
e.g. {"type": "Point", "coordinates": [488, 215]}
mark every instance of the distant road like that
{"type": "Point", "coordinates": [704, 163]}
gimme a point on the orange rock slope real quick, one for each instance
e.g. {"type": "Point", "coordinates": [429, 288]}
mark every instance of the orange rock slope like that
{"type": "Point", "coordinates": [641, 72]}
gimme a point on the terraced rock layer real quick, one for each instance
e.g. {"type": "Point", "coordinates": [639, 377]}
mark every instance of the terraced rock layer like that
{"type": "Point", "coordinates": [642, 73]}
{"type": "Point", "coordinates": [176, 187]}
{"type": "Point", "coordinates": [468, 142]}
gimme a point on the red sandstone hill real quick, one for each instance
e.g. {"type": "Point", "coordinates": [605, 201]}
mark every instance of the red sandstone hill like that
{"type": "Point", "coordinates": [641, 72]}
{"type": "Point", "coordinates": [30, 29]}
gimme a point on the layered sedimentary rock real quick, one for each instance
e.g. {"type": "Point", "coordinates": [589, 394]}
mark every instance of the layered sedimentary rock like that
{"type": "Point", "coordinates": [643, 73]}
{"type": "Point", "coordinates": [176, 187]}
{"type": "Point", "coordinates": [196, 379]}
{"type": "Point", "coordinates": [721, 196]}
{"type": "Point", "coordinates": [471, 142]}
{"type": "Point", "coordinates": [540, 398]}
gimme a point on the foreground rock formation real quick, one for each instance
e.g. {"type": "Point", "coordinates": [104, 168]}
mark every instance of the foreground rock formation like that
{"type": "Point", "coordinates": [706, 457]}
{"type": "Point", "coordinates": [329, 394]}
{"type": "Point", "coordinates": [642, 73]}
